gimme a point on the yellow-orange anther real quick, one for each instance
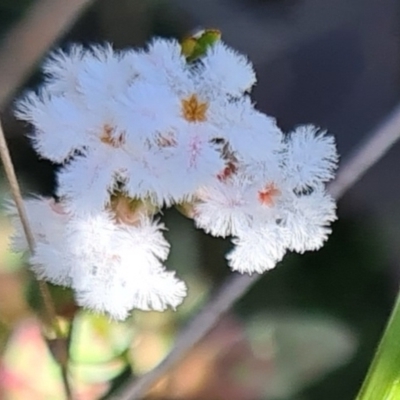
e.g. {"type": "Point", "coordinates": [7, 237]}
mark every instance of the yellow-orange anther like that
{"type": "Point", "coordinates": [107, 137]}
{"type": "Point", "coordinates": [193, 110]}
{"type": "Point", "coordinates": [267, 196]}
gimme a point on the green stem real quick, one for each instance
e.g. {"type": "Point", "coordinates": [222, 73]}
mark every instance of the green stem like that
{"type": "Point", "coordinates": [383, 378]}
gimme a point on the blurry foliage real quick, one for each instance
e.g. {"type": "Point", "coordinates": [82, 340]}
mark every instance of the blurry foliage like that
{"type": "Point", "coordinates": [348, 279]}
{"type": "Point", "coordinates": [266, 356]}
{"type": "Point", "coordinates": [268, 352]}
{"type": "Point", "coordinates": [97, 354]}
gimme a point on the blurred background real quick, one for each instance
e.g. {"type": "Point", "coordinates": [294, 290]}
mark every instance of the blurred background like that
{"type": "Point", "coordinates": [308, 329]}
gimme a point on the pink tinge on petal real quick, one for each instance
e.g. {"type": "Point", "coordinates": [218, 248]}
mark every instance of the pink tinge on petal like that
{"type": "Point", "coordinates": [195, 148]}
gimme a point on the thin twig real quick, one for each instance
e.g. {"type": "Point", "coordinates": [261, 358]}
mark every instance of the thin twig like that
{"type": "Point", "coordinates": [16, 194]}
{"type": "Point", "coordinates": [50, 312]}
{"type": "Point", "coordinates": [367, 154]}
{"type": "Point", "coordinates": [31, 37]}
{"type": "Point", "coordinates": [22, 48]}
{"type": "Point", "coordinates": [234, 288]}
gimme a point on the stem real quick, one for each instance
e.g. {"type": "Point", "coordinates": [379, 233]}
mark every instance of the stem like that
{"type": "Point", "coordinates": [45, 21]}
{"type": "Point", "coordinates": [382, 381]}
{"type": "Point", "coordinates": [50, 313]}
{"type": "Point", "coordinates": [233, 289]}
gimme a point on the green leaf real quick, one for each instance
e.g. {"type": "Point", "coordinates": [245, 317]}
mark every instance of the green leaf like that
{"type": "Point", "coordinates": [383, 378]}
{"type": "Point", "coordinates": [300, 349]}
{"type": "Point", "coordinates": [95, 339]}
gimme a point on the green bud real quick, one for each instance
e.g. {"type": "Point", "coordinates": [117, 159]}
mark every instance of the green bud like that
{"type": "Point", "coordinates": [196, 46]}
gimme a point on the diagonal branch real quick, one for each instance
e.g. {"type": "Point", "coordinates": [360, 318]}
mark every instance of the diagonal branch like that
{"type": "Point", "coordinates": [31, 37]}
{"type": "Point", "coordinates": [374, 147]}
{"type": "Point", "coordinates": [367, 153]}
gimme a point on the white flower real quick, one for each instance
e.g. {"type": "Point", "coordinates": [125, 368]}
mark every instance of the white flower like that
{"type": "Point", "coordinates": [261, 205]}
{"type": "Point", "coordinates": [138, 130]}
{"type": "Point", "coordinates": [112, 268]}
{"type": "Point", "coordinates": [118, 267]}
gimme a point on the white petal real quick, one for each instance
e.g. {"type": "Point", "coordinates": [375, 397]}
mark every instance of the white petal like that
{"type": "Point", "coordinates": [307, 223]}
{"type": "Point", "coordinates": [103, 77]}
{"type": "Point", "coordinates": [146, 111]}
{"type": "Point", "coordinates": [46, 220]}
{"type": "Point", "coordinates": [87, 183]}
{"type": "Point", "coordinates": [195, 161]}
{"type": "Point", "coordinates": [311, 157]}
{"type": "Point", "coordinates": [224, 208]}
{"type": "Point", "coordinates": [252, 135]}
{"type": "Point", "coordinates": [158, 291]}
{"type": "Point", "coordinates": [257, 250]}
{"type": "Point", "coordinates": [117, 268]}
{"type": "Point", "coordinates": [145, 178]}
{"type": "Point", "coordinates": [58, 125]}
{"type": "Point", "coordinates": [227, 70]}
{"type": "Point", "coordinates": [51, 263]}
{"type": "Point", "coordinates": [164, 64]}
{"type": "Point", "coordinates": [62, 68]}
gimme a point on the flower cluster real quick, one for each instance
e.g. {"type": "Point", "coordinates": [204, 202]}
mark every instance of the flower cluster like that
{"type": "Point", "coordinates": [138, 130]}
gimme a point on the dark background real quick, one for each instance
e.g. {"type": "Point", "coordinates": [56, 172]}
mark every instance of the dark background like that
{"type": "Point", "coordinates": [333, 63]}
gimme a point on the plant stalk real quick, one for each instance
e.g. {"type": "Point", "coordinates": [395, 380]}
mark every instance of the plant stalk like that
{"type": "Point", "coordinates": [382, 381]}
{"type": "Point", "coordinates": [50, 313]}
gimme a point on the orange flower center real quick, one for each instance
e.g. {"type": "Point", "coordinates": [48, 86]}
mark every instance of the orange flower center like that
{"type": "Point", "coordinates": [267, 196]}
{"type": "Point", "coordinates": [193, 110]}
{"type": "Point", "coordinates": [108, 138]}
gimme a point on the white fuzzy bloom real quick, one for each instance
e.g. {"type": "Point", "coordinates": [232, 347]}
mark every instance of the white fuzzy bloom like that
{"type": "Point", "coordinates": [117, 268]}
{"type": "Point", "coordinates": [137, 130]}
{"type": "Point", "coordinates": [112, 268]}
{"type": "Point", "coordinates": [267, 206]}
